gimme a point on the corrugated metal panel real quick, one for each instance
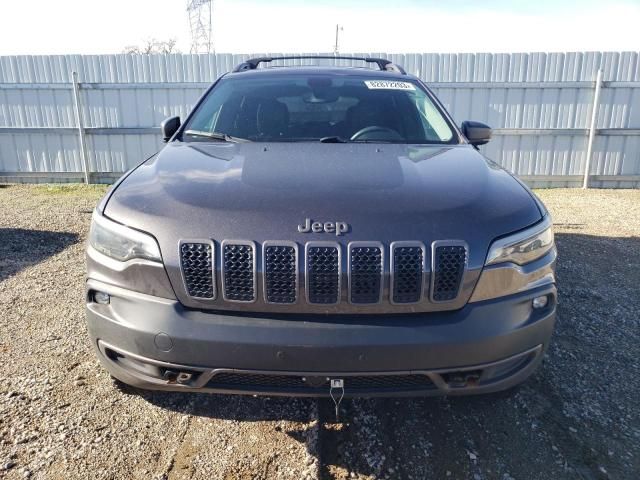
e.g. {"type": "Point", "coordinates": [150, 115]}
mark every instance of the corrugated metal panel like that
{"type": "Point", "coordinates": [138, 91]}
{"type": "Point", "coordinates": [431, 67]}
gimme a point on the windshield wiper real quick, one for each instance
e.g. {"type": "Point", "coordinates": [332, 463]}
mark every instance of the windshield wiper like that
{"type": "Point", "coordinates": [215, 136]}
{"type": "Point", "coordinates": [333, 139]}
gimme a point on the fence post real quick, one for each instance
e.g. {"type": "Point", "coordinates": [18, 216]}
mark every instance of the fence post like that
{"type": "Point", "coordinates": [79, 120]}
{"type": "Point", "coordinates": [592, 129]}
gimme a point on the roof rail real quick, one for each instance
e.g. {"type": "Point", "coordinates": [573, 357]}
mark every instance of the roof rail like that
{"type": "Point", "coordinates": [383, 63]}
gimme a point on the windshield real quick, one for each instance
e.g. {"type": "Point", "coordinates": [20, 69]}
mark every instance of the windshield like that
{"type": "Point", "coordinates": [316, 107]}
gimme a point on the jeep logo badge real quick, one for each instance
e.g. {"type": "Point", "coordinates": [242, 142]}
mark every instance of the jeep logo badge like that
{"type": "Point", "coordinates": [327, 227]}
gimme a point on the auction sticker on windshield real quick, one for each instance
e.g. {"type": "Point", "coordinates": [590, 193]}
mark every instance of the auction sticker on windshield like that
{"type": "Point", "coordinates": [388, 85]}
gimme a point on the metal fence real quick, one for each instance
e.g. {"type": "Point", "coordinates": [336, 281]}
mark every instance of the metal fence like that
{"type": "Point", "coordinates": [541, 106]}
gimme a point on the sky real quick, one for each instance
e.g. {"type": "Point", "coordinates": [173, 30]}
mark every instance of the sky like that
{"type": "Point", "coordinates": [254, 26]}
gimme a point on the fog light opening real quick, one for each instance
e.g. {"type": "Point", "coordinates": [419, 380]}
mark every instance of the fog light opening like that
{"type": "Point", "coordinates": [101, 298]}
{"type": "Point", "coordinates": [540, 302]}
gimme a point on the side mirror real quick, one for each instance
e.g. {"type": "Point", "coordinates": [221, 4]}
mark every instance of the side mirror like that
{"type": "Point", "coordinates": [477, 133]}
{"type": "Point", "coordinates": [169, 126]}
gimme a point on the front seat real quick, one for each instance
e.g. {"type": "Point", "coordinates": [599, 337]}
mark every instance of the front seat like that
{"type": "Point", "coordinates": [272, 119]}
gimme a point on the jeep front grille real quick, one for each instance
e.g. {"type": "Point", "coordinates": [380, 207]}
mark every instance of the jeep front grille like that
{"type": "Point", "coordinates": [449, 262]}
{"type": "Point", "coordinates": [320, 265]}
{"type": "Point", "coordinates": [366, 264]}
{"type": "Point", "coordinates": [196, 260]}
{"type": "Point", "coordinates": [280, 273]}
{"type": "Point", "coordinates": [407, 272]}
{"type": "Point", "coordinates": [238, 271]}
{"type": "Point", "coordinates": [323, 273]}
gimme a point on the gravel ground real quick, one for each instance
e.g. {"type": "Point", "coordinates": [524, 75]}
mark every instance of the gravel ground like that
{"type": "Point", "coordinates": [62, 417]}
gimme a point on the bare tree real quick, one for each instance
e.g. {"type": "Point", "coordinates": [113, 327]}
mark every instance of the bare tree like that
{"type": "Point", "coordinates": [153, 45]}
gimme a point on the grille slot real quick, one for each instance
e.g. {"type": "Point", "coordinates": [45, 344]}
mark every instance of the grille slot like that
{"type": "Point", "coordinates": [196, 260]}
{"type": "Point", "coordinates": [295, 383]}
{"type": "Point", "coordinates": [448, 268]}
{"type": "Point", "coordinates": [280, 273]}
{"type": "Point", "coordinates": [407, 273]}
{"type": "Point", "coordinates": [365, 273]}
{"type": "Point", "coordinates": [323, 274]}
{"type": "Point", "coordinates": [238, 269]}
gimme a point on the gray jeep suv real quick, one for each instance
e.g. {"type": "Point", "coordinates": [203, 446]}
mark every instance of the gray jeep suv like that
{"type": "Point", "coordinates": [309, 228]}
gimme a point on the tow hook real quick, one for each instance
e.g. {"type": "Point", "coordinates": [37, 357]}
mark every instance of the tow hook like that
{"type": "Point", "coordinates": [336, 392]}
{"type": "Point", "coordinates": [171, 376]}
{"type": "Point", "coordinates": [462, 379]}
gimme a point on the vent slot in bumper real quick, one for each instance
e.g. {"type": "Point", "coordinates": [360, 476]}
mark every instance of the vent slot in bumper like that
{"type": "Point", "coordinates": [196, 261]}
{"type": "Point", "coordinates": [448, 265]}
{"type": "Point", "coordinates": [256, 382]}
{"type": "Point", "coordinates": [280, 272]}
{"type": "Point", "coordinates": [238, 271]}
{"type": "Point", "coordinates": [323, 273]}
{"type": "Point", "coordinates": [366, 265]}
{"type": "Point", "coordinates": [407, 272]}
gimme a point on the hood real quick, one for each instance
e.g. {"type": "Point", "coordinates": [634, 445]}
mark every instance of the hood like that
{"type": "Point", "coordinates": [259, 192]}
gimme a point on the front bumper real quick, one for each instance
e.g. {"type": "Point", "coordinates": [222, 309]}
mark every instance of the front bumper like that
{"type": "Point", "coordinates": [156, 343]}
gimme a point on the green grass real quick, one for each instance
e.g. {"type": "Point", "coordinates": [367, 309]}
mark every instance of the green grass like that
{"type": "Point", "coordinates": [71, 189]}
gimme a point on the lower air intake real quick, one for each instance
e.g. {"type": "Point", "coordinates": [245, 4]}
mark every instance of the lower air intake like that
{"type": "Point", "coordinates": [448, 269]}
{"type": "Point", "coordinates": [318, 385]}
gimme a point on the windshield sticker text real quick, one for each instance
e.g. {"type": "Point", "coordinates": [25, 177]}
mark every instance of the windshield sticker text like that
{"type": "Point", "coordinates": [388, 85]}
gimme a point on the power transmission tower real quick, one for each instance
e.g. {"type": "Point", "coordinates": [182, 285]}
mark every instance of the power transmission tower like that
{"type": "Point", "coordinates": [338, 30]}
{"type": "Point", "coordinates": [200, 21]}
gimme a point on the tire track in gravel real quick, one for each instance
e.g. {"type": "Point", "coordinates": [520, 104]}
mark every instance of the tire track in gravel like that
{"type": "Point", "coordinates": [371, 441]}
{"type": "Point", "coordinates": [241, 437]}
{"type": "Point", "coordinates": [473, 437]}
{"type": "Point", "coordinates": [179, 460]}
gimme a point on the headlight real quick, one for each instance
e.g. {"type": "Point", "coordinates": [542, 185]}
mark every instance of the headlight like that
{"type": "Point", "coordinates": [120, 242]}
{"type": "Point", "coordinates": [523, 247]}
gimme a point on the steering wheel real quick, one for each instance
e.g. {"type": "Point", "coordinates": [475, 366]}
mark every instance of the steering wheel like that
{"type": "Point", "coordinates": [376, 130]}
